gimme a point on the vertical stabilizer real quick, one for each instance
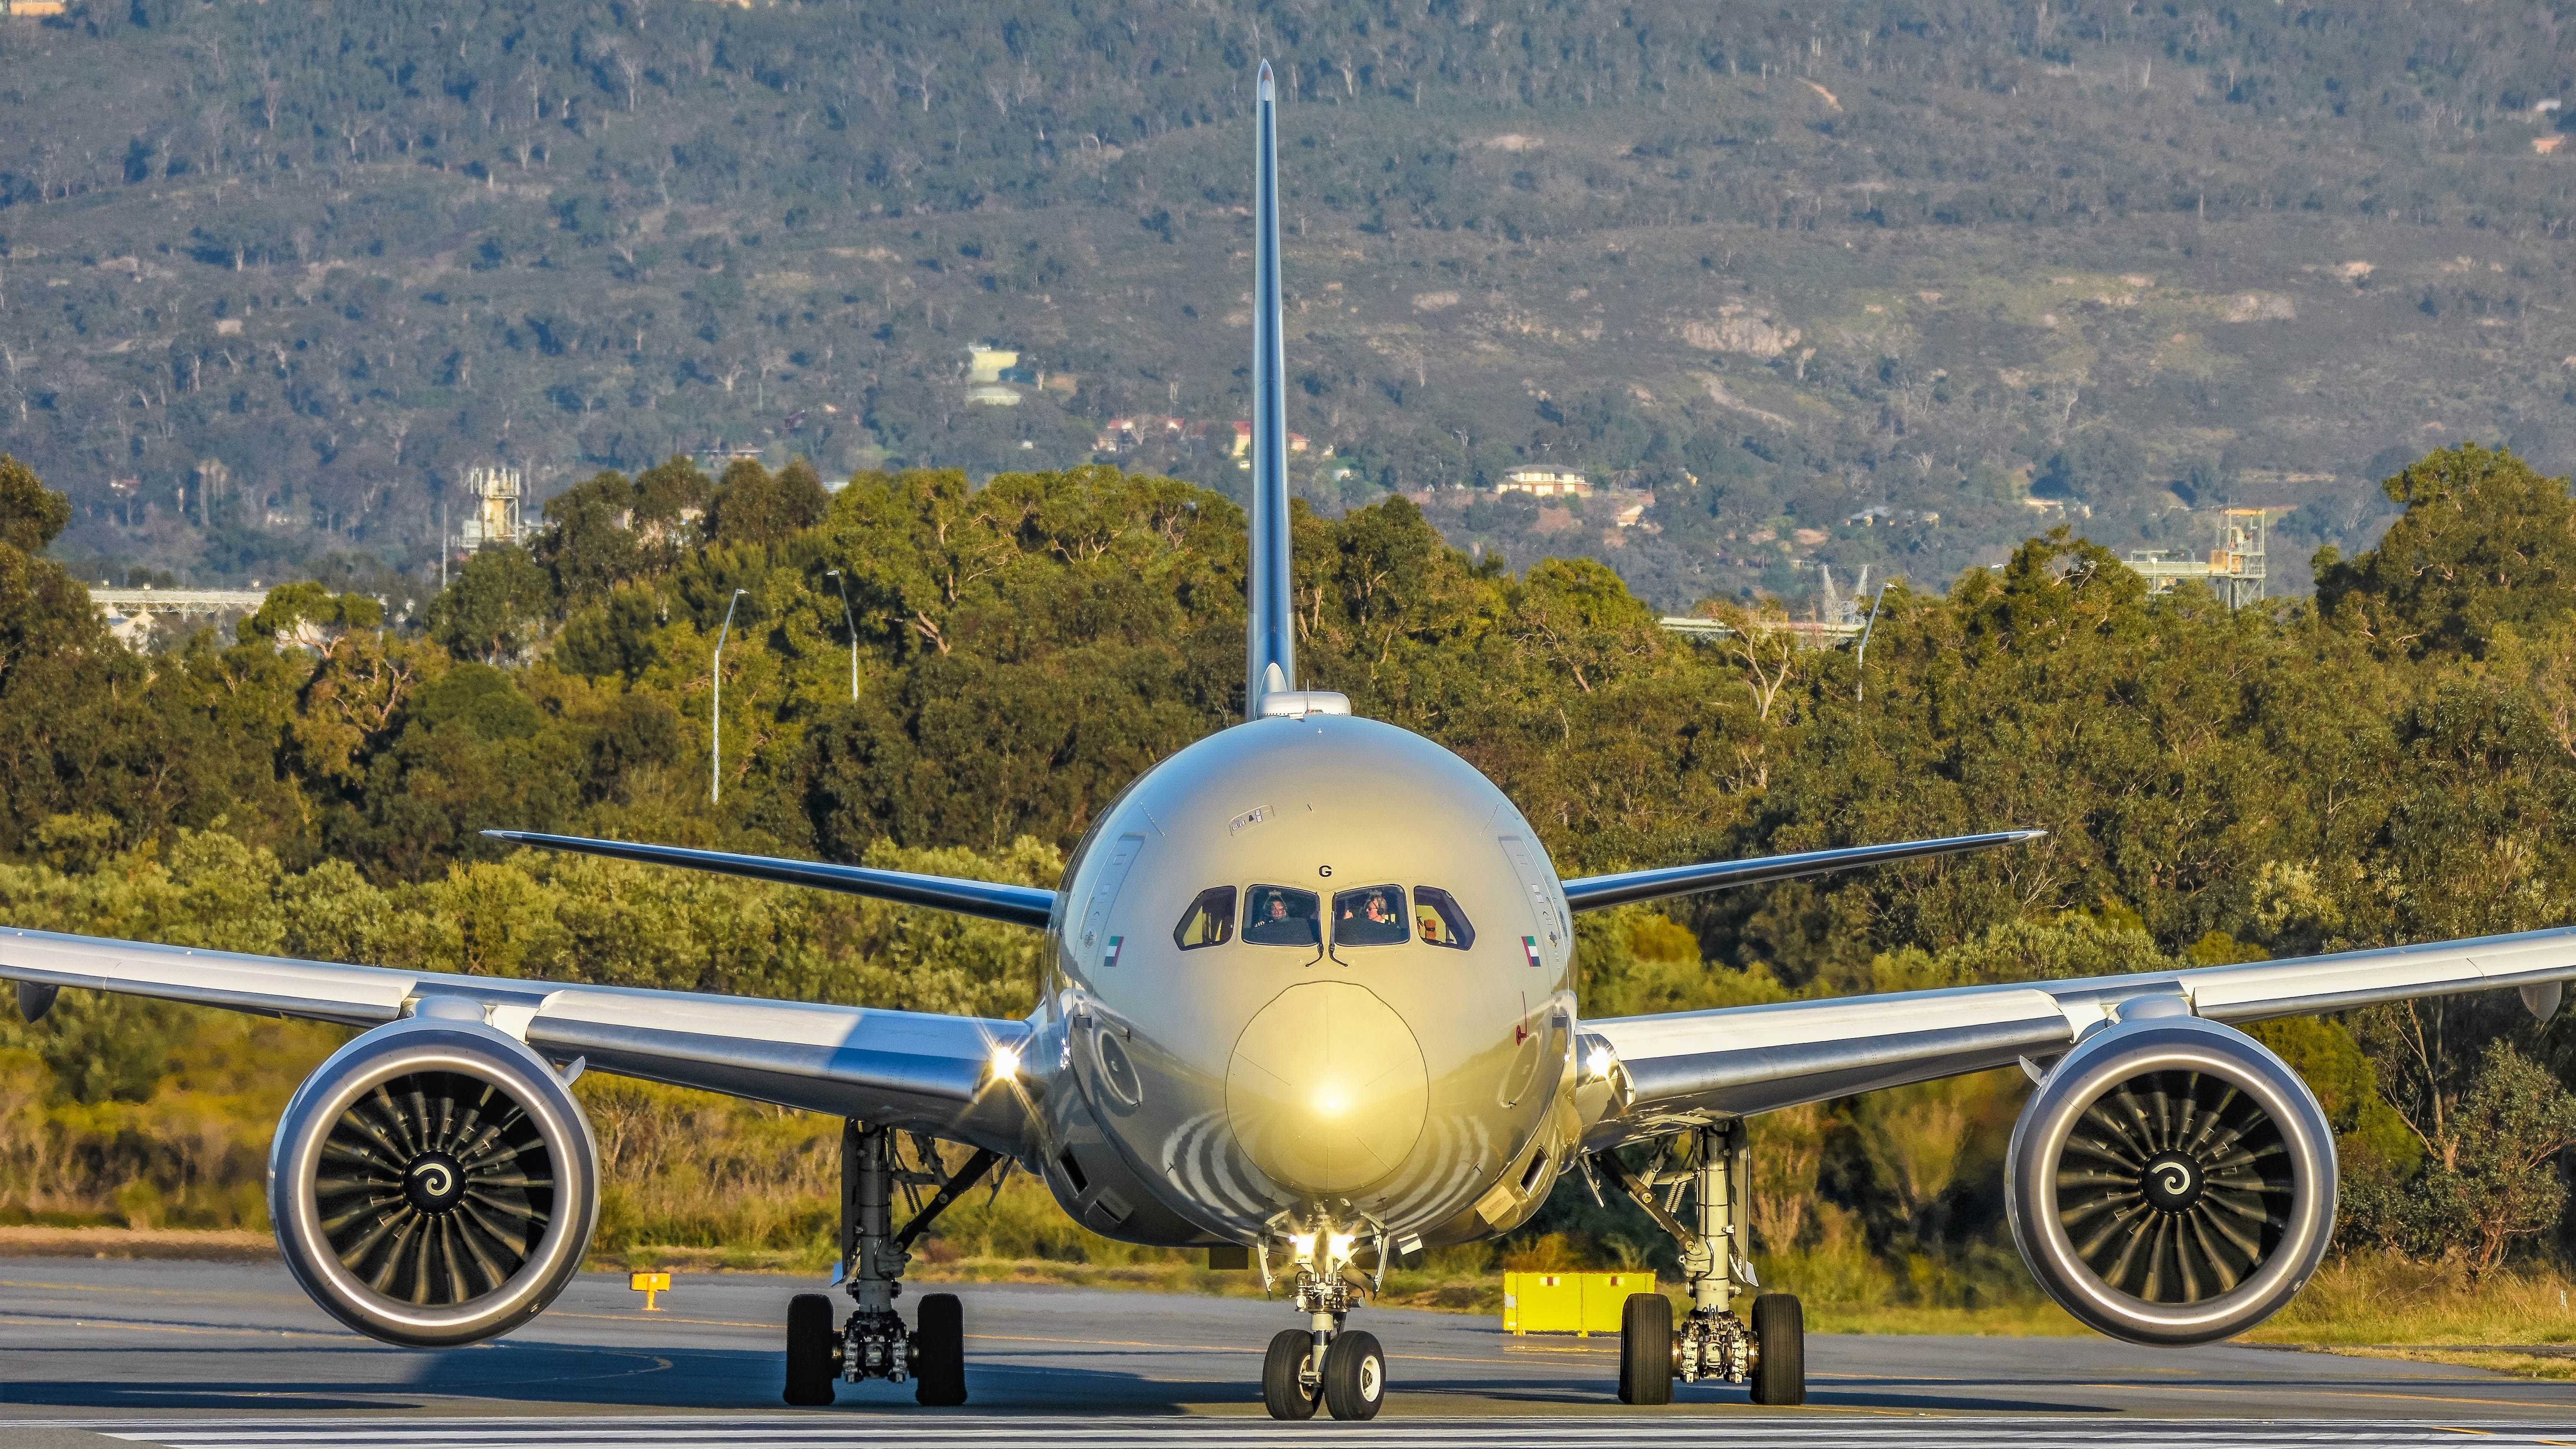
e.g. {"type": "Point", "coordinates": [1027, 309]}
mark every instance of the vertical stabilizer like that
{"type": "Point", "coordinates": [1272, 621]}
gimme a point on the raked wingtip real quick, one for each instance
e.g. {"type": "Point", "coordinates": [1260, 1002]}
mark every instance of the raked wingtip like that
{"type": "Point", "coordinates": [1269, 90]}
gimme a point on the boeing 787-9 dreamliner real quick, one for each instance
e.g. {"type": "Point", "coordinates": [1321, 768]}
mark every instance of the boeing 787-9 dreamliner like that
{"type": "Point", "coordinates": [1308, 1003]}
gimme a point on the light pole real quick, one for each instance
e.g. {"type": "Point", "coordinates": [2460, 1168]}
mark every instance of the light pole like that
{"type": "Point", "coordinates": [853, 620]}
{"type": "Point", "coordinates": [715, 759]}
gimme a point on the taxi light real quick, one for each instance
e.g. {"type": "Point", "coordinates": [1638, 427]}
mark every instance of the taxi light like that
{"type": "Point", "coordinates": [1337, 1246]}
{"type": "Point", "coordinates": [1301, 1247]}
{"type": "Point", "coordinates": [650, 1285]}
{"type": "Point", "coordinates": [1600, 1066]}
{"type": "Point", "coordinates": [1006, 1064]}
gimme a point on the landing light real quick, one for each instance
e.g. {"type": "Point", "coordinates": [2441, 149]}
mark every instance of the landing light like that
{"type": "Point", "coordinates": [1329, 1102]}
{"type": "Point", "coordinates": [1600, 1065]}
{"type": "Point", "coordinates": [1006, 1064]}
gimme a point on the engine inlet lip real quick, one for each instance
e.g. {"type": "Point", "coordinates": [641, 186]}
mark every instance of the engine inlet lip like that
{"type": "Point", "coordinates": [2084, 1076]}
{"type": "Point", "coordinates": [427, 1044]}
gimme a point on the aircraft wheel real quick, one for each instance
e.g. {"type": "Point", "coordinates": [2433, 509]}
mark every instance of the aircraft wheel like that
{"type": "Point", "coordinates": [1283, 1390]}
{"type": "Point", "coordinates": [812, 1342]}
{"type": "Point", "coordinates": [1646, 1349]}
{"type": "Point", "coordinates": [1354, 1376]}
{"type": "Point", "coordinates": [939, 1353]}
{"type": "Point", "coordinates": [1780, 1337]}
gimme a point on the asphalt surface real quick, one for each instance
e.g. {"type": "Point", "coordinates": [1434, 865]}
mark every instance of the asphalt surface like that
{"type": "Point", "coordinates": [192, 1354]}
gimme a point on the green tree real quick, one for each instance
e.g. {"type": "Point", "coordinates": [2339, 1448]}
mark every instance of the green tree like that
{"type": "Point", "coordinates": [30, 513]}
{"type": "Point", "coordinates": [496, 609]}
{"type": "Point", "coordinates": [2485, 542]}
{"type": "Point", "coordinates": [2493, 1179]}
{"type": "Point", "coordinates": [754, 505]}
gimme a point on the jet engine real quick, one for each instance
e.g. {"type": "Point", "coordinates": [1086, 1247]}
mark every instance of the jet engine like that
{"type": "Point", "coordinates": [435, 1182]}
{"type": "Point", "coordinates": [2171, 1180]}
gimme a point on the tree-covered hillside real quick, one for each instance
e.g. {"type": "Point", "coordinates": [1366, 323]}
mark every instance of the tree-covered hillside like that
{"type": "Point", "coordinates": [272, 276]}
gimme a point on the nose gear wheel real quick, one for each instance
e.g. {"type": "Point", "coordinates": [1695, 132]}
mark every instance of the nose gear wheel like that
{"type": "Point", "coordinates": [2175, 1187]}
{"type": "Point", "coordinates": [434, 1188]}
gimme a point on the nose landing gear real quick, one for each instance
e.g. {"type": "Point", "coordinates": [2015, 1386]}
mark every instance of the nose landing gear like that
{"type": "Point", "coordinates": [874, 1343]}
{"type": "Point", "coordinates": [1714, 1166]}
{"type": "Point", "coordinates": [1344, 1370]}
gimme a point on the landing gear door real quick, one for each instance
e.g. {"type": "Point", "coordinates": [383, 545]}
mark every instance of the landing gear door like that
{"type": "Point", "coordinates": [1553, 932]}
{"type": "Point", "coordinates": [1091, 947]}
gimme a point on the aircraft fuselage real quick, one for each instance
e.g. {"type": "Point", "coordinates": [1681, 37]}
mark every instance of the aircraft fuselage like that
{"type": "Point", "coordinates": [1308, 965]}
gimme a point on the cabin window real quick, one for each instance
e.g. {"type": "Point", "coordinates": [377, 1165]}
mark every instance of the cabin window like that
{"type": "Point", "coordinates": [1208, 922]}
{"type": "Point", "coordinates": [1370, 916]}
{"type": "Point", "coordinates": [1437, 919]}
{"type": "Point", "coordinates": [1282, 916]}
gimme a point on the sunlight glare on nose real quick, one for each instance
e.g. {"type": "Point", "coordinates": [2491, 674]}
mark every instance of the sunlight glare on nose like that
{"type": "Point", "coordinates": [1328, 1102]}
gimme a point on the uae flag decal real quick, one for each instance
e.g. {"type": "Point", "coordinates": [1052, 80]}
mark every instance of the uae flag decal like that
{"type": "Point", "coordinates": [1116, 943]}
{"type": "Point", "coordinates": [1529, 946]}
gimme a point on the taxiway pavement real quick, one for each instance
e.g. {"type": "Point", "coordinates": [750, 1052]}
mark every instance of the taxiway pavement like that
{"type": "Point", "coordinates": [233, 1355]}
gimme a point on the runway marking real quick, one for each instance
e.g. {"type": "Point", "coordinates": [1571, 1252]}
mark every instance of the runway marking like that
{"type": "Point", "coordinates": [2279, 1389]}
{"type": "Point", "coordinates": [37, 1321]}
{"type": "Point", "coordinates": [867, 1429]}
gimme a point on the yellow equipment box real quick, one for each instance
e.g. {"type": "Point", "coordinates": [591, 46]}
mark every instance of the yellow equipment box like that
{"type": "Point", "coordinates": [1582, 1304]}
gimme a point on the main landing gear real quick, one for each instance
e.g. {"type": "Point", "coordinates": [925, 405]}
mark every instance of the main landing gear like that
{"type": "Point", "coordinates": [874, 1343]}
{"type": "Point", "coordinates": [1341, 1369]}
{"type": "Point", "coordinates": [1714, 1166]}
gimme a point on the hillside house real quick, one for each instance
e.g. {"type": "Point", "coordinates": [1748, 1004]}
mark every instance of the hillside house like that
{"type": "Point", "coordinates": [1545, 482]}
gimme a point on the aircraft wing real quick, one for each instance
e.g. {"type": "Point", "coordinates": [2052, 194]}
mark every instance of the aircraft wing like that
{"type": "Point", "coordinates": [905, 1069]}
{"type": "Point", "coordinates": [1019, 905]}
{"type": "Point", "coordinates": [1672, 1069]}
{"type": "Point", "coordinates": [1592, 893]}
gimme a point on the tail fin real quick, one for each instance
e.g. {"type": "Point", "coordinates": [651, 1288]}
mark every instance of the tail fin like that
{"type": "Point", "coordinates": [1270, 664]}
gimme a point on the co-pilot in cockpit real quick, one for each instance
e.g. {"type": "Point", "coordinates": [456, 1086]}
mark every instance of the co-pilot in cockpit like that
{"type": "Point", "coordinates": [1287, 916]}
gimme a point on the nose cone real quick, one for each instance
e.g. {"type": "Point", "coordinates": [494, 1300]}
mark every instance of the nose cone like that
{"type": "Point", "coordinates": [1327, 1090]}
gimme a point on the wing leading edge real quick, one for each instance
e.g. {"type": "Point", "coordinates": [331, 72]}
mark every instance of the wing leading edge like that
{"type": "Point", "coordinates": [912, 1070]}
{"type": "Point", "coordinates": [1592, 893]}
{"type": "Point", "coordinates": [1738, 1061]}
{"type": "Point", "coordinates": [1018, 905]}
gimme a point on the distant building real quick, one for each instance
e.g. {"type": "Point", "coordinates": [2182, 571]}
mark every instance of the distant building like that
{"type": "Point", "coordinates": [2546, 144]}
{"type": "Point", "coordinates": [30, 9]}
{"type": "Point", "coordinates": [987, 364]}
{"type": "Point", "coordinates": [493, 515]}
{"type": "Point", "coordinates": [1545, 482]}
{"type": "Point", "coordinates": [990, 371]}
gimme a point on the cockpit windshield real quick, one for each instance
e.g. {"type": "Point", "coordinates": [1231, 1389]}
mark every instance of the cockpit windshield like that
{"type": "Point", "coordinates": [1437, 917]}
{"type": "Point", "coordinates": [1370, 916]}
{"type": "Point", "coordinates": [1282, 916]}
{"type": "Point", "coordinates": [1208, 922]}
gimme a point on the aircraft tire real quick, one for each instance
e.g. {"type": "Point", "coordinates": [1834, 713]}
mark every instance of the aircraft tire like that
{"type": "Point", "coordinates": [939, 1353]}
{"type": "Point", "coordinates": [1780, 1333]}
{"type": "Point", "coordinates": [810, 1341]}
{"type": "Point", "coordinates": [1354, 1376]}
{"type": "Point", "coordinates": [1281, 1368]}
{"type": "Point", "coordinates": [1646, 1349]}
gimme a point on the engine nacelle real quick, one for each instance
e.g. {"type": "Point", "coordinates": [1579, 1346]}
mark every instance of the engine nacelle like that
{"type": "Point", "coordinates": [434, 1183]}
{"type": "Point", "coordinates": [2171, 1181]}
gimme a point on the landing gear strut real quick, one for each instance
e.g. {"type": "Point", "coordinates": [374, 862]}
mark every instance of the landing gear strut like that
{"type": "Point", "coordinates": [1713, 1165]}
{"type": "Point", "coordinates": [874, 1343]}
{"type": "Point", "coordinates": [1342, 1369]}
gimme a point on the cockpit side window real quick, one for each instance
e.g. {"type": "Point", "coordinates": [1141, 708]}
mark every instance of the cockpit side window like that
{"type": "Point", "coordinates": [1370, 916]}
{"type": "Point", "coordinates": [1282, 916]}
{"type": "Point", "coordinates": [1208, 922]}
{"type": "Point", "coordinates": [1438, 920]}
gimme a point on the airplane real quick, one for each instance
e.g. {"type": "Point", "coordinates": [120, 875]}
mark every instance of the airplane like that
{"type": "Point", "coordinates": [1309, 1004]}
